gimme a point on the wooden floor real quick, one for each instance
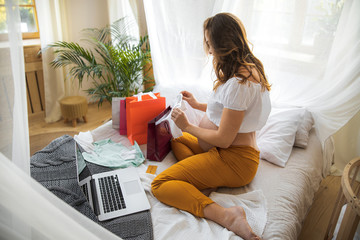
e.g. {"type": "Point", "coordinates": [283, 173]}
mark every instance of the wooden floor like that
{"type": "Point", "coordinates": [315, 224]}
{"type": "Point", "coordinates": [318, 218]}
{"type": "Point", "coordinates": [42, 133]}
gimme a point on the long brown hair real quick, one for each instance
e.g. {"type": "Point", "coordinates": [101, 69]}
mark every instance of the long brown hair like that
{"type": "Point", "coordinates": [231, 50]}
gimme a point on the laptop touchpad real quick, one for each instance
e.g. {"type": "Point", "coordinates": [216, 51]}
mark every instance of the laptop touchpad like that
{"type": "Point", "coordinates": [132, 187]}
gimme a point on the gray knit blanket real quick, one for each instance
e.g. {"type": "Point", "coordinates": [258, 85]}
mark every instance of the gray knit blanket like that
{"type": "Point", "coordinates": [54, 167]}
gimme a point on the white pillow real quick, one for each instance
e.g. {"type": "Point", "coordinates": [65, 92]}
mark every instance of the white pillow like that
{"type": "Point", "coordinates": [277, 137]}
{"type": "Point", "coordinates": [302, 134]}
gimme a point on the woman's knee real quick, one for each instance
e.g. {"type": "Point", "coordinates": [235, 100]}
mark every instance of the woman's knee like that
{"type": "Point", "coordinates": [156, 183]}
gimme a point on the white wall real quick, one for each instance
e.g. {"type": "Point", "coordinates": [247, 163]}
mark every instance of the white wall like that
{"type": "Point", "coordinates": [347, 142]}
{"type": "Point", "coordinates": [83, 14]}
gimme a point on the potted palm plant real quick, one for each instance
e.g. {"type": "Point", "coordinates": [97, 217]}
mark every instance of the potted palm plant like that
{"type": "Point", "coordinates": [114, 63]}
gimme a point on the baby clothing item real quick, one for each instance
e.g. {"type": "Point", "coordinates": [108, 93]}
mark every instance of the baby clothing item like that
{"type": "Point", "coordinates": [175, 131]}
{"type": "Point", "coordinates": [115, 155]}
{"type": "Point", "coordinates": [246, 97]}
{"type": "Point", "coordinates": [85, 139]}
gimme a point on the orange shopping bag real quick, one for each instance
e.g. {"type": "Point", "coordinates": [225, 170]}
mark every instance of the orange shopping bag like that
{"type": "Point", "coordinates": [140, 109]}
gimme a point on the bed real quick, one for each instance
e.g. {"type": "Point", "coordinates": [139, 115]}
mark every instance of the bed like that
{"type": "Point", "coordinates": [276, 201]}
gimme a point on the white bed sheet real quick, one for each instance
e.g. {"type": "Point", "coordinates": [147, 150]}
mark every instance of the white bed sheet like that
{"type": "Point", "coordinates": [288, 194]}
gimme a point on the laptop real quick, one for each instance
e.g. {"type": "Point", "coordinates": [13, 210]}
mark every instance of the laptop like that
{"type": "Point", "coordinates": [111, 194]}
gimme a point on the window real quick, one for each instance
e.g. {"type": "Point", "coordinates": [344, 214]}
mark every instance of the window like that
{"type": "Point", "coordinates": [296, 23]}
{"type": "Point", "coordinates": [297, 30]}
{"type": "Point", "coordinates": [29, 23]}
{"type": "Point", "coordinates": [321, 20]}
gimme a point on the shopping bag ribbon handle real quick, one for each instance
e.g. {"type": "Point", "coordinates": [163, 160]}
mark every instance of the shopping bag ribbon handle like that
{"type": "Point", "coordinates": [139, 95]}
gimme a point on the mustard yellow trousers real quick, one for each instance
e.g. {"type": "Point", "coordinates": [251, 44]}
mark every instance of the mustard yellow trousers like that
{"type": "Point", "coordinates": [180, 185]}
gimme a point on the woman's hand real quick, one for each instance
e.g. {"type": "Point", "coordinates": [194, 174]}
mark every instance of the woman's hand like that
{"type": "Point", "coordinates": [180, 119]}
{"type": "Point", "coordinates": [189, 97]}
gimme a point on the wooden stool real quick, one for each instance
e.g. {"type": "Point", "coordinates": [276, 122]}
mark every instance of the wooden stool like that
{"type": "Point", "coordinates": [73, 108]}
{"type": "Point", "coordinates": [347, 194]}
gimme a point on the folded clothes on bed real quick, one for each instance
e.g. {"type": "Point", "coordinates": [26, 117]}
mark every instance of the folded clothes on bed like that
{"type": "Point", "coordinates": [115, 155]}
{"type": "Point", "coordinates": [85, 139]}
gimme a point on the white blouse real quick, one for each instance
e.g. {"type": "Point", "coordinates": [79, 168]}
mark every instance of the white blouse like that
{"type": "Point", "coordinates": [246, 97]}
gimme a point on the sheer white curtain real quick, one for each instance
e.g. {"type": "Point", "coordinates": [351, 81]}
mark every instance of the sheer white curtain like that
{"type": "Point", "coordinates": [52, 27]}
{"type": "Point", "coordinates": [319, 65]}
{"type": "Point", "coordinates": [176, 40]}
{"type": "Point", "coordinates": [311, 58]}
{"type": "Point", "coordinates": [120, 9]}
{"type": "Point", "coordinates": [27, 209]}
{"type": "Point", "coordinates": [14, 132]}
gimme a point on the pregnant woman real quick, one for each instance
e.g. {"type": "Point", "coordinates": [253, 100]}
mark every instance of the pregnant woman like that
{"type": "Point", "coordinates": [222, 150]}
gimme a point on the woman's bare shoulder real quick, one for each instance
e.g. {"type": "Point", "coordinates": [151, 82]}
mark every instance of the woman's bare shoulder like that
{"type": "Point", "coordinates": [250, 74]}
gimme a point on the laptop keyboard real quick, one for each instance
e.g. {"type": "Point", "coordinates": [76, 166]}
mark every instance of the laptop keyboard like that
{"type": "Point", "coordinates": [111, 195]}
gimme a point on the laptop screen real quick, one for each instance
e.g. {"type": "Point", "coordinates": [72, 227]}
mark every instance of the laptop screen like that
{"type": "Point", "coordinates": [82, 170]}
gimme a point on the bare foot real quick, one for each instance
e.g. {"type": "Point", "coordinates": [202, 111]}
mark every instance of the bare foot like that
{"type": "Point", "coordinates": [236, 222]}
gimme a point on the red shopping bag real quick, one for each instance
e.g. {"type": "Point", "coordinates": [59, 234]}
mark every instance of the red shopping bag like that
{"type": "Point", "coordinates": [140, 110]}
{"type": "Point", "coordinates": [158, 137]}
{"type": "Point", "coordinates": [122, 122]}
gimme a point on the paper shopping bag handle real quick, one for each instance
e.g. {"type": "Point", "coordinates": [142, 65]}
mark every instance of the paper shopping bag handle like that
{"type": "Point", "coordinates": [139, 95]}
{"type": "Point", "coordinates": [167, 127]}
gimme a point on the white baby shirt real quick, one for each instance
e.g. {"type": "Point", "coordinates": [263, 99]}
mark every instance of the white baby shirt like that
{"type": "Point", "coordinates": [246, 97]}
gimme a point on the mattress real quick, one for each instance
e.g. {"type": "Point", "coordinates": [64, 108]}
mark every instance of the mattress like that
{"type": "Point", "coordinates": [288, 194]}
